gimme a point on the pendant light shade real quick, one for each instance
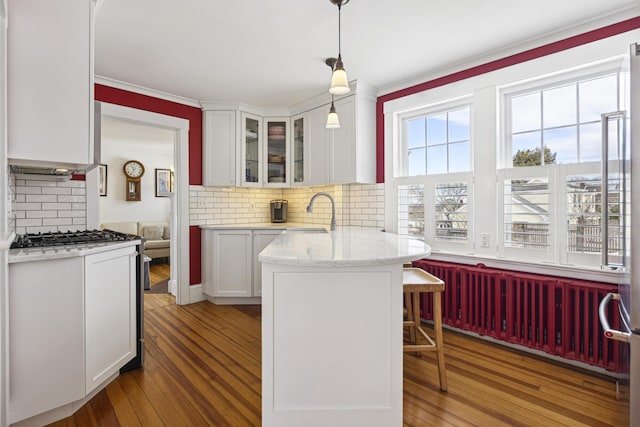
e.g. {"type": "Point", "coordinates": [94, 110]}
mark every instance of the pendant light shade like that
{"type": "Point", "coordinates": [333, 122]}
{"type": "Point", "coordinates": [339, 80]}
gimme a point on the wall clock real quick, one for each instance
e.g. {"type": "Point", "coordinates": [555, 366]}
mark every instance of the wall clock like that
{"type": "Point", "coordinates": [133, 170]}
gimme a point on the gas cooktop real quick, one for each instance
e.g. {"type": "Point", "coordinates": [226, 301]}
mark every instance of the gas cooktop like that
{"type": "Point", "coordinates": [60, 238]}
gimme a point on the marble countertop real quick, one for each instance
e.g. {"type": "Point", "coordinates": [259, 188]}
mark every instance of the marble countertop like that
{"type": "Point", "coordinates": [265, 225]}
{"type": "Point", "coordinates": [346, 247]}
{"type": "Point", "coordinates": [55, 252]}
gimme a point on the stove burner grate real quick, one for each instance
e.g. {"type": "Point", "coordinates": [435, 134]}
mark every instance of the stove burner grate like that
{"type": "Point", "coordinates": [64, 238]}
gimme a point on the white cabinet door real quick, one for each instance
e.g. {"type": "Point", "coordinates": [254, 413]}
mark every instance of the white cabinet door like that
{"type": "Point", "coordinates": [50, 76]}
{"type": "Point", "coordinates": [46, 330]}
{"type": "Point", "coordinates": [299, 168]}
{"type": "Point", "coordinates": [219, 149]}
{"type": "Point", "coordinates": [353, 150]}
{"type": "Point", "coordinates": [276, 152]}
{"type": "Point", "coordinates": [251, 150]}
{"type": "Point", "coordinates": [261, 239]}
{"type": "Point", "coordinates": [110, 313]}
{"type": "Point", "coordinates": [232, 263]}
{"type": "Point", "coordinates": [318, 147]}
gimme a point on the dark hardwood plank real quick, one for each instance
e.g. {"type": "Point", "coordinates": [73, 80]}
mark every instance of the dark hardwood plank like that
{"type": "Point", "coordinates": [203, 368]}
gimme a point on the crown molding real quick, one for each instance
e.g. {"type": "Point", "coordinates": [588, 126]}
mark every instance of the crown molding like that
{"type": "Point", "coordinates": [146, 91]}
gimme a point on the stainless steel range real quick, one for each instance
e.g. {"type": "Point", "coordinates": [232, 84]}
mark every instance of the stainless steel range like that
{"type": "Point", "coordinates": [59, 238]}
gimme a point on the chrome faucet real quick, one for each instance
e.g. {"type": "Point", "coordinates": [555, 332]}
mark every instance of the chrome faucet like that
{"type": "Point", "coordinates": [333, 207]}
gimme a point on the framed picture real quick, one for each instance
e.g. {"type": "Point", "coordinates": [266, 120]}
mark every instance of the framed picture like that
{"type": "Point", "coordinates": [102, 180]}
{"type": "Point", "coordinates": [164, 182]}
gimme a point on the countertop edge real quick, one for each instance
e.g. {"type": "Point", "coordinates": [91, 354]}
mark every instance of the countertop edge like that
{"type": "Point", "coordinates": [20, 255]}
{"type": "Point", "coordinates": [342, 263]}
{"type": "Point", "coordinates": [265, 226]}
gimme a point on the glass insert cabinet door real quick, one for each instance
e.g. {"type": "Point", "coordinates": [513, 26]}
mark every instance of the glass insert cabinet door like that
{"type": "Point", "coordinates": [298, 150]}
{"type": "Point", "coordinates": [251, 149]}
{"type": "Point", "coordinates": [276, 151]}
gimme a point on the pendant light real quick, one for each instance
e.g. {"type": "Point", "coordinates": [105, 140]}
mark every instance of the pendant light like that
{"type": "Point", "coordinates": [333, 122]}
{"type": "Point", "coordinates": [339, 80]}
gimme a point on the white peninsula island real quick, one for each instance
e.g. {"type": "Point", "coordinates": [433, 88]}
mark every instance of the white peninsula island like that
{"type": "Point", "coordinates": [332, 327]}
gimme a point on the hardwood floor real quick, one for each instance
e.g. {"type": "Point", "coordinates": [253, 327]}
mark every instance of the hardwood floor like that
{"type": "Point", "coordinates": [158, 272]}
{"type": "Point", "coordinates": [202, 368]}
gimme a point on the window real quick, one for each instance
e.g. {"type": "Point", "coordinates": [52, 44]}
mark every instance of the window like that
{"type": "Point", "coordinates": [526, 213]}
{"type": "Point", "coordinates": [506, 166]}
{"type": "Point", "coordinates": [561, 121]}
{"type": "Point", "coordinates": [451, 212]}
{"type": "Point", "coordinates": [411, 211]}
{"type": "Point", "coordinates": [438, 142]}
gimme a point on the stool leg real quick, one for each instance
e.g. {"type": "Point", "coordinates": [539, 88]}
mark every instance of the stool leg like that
{"type": "Point", "coordinates": [437, 324]}
{"type": "Point", "coordinates": [407, 304]}
{"type": "Point", "coordinates": [416, 319]}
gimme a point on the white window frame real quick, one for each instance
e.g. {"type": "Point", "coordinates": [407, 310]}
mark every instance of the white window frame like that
{"type": "Point", "coordinates": [443, 107]}
{"type": "Point", "coordinates": [488, 155]}
{"type": "Point", "coordinates": [550, 254]}
{"type": "Point", "coordinates": [429, 182]}
{"type": "Point", "coordinates": [507, 92]}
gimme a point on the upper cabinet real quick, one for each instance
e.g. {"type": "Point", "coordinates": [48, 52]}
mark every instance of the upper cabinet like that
{"type": "Point", "coordinates": [276, 152]}
{"type": "Point", "coordinates": [310, 148]}
{"type": "Point", "coordinates": [219, 149]}
{"type": "Point", "coordinates": [251, 150]}
{"type": "Point", "coordinates": [50, 82]}
{"type": "Point", "coordinates": [299, 150]}
{"type": "Point", "coordinates": [353, 148]}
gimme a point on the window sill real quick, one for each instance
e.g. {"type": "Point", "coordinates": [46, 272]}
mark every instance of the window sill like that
{"type": "Point", "coordinates": [557, 270]}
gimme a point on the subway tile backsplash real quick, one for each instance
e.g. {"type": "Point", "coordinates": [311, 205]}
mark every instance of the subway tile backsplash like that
{"type": "Point", "coordinates": [39, 206]}
{"type": "Point", "coordinates": [356, 204]}
{"type": "Point", "coordinates": [60, 206]}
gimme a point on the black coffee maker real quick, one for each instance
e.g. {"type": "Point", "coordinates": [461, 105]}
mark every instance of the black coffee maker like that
{"type": "Point", "coordinates": [279, 210]}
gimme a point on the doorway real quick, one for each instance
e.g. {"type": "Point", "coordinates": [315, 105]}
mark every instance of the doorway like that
{"type": "Point", "coordinates": [178, 208]}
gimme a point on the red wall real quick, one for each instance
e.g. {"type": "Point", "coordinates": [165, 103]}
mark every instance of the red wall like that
{"type": "Point", "coordinates": [538, 52]}
{"type": "Point", "coordinates": [169, 108]}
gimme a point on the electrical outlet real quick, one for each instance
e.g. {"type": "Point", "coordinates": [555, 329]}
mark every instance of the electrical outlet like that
{"type": "Point", "coordinates": [485, 240]}
{"type": "Point", "coordinates": [202, 202]}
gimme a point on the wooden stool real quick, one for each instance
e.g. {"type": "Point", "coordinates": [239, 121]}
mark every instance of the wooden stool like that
{"type": "Point", "coordinates": [416, 281]}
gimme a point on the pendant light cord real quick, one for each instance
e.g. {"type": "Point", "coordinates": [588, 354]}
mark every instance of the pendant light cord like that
{"type": "Point", "coordinates": [339, 29]}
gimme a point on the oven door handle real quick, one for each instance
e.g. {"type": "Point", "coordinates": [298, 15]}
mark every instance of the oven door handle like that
{"type": "Point", "coordinates": [613, 334]}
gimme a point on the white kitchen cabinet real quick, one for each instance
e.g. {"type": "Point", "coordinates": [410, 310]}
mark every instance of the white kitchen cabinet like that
{"type": "Point", "coordinates": [231, 270]}
{"type": "Point", "coordinates": [261, 239]}
{"type": "Point", "coordinates": [353, 147]}
{"type": "Point", "coordinates": [276, 152]}
{"type": "Point", "coordinates": [110, 313]}
{"type": "Point", "coordinates": [50, 77]}
{"type": "Point", "coordinates": [219, 148]}
{"type": "Point", "coordinates": [310, 148]}
{"type": "Point", "coordinates": [46, 336]}
{"type": "Point", "coordinates": [251, 150]}
{"type": "Point", "coordinates": [232, 263]}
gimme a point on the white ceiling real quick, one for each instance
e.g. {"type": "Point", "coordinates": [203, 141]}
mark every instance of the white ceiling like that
{"type": "Point", "coordinates": [271, 53]}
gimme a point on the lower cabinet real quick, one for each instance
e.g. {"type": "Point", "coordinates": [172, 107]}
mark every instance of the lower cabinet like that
{"type": "Point", "coordinates": [71, 326]}
{"type": "Point", "coordinates": [110, 313]}
{"type": "Point", "coordinates": [46, 336]}
{"type": "Point", "coordinates": [232, 269]}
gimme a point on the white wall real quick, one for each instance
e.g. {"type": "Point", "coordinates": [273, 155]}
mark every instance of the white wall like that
{"type": "Point", "coordinates": [153, 147]}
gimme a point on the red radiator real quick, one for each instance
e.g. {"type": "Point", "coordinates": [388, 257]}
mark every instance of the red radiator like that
{"type": "Point", "coordinates": [555, 315]}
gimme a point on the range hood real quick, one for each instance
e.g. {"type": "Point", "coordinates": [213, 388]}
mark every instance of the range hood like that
{"type": "Point", "coordinates": [43, 169]}
{"type": "Point", "coordinates": [41, 173]}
